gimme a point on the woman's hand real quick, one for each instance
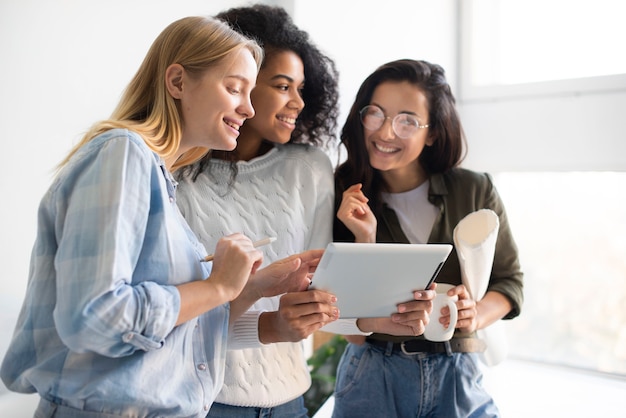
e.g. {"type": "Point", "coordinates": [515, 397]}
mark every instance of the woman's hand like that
{"type": "Point", "coordinates": [235, 259]}
{"type": "Point", "coordinates": [291, 274]}
{"type": "Point", "coordinates": [411, 318]}
{"type": "Point", "coordinates": [476, 315]}
{"type": "Point", "coordinates": [356, 214]}
{"type": "Point", "coordinates": [466, 306]}
{"type": "Point", "coordinates": [299, 315]}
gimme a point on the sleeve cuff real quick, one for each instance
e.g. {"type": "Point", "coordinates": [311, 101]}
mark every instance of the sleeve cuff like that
{"type": "Point", "coordinates": [244, 333]}
{"type": "Point", "coordinates": [344, 327]}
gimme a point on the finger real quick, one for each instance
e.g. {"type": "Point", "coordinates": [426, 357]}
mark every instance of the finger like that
{"type": "Point", "coordinates": [417, 305]}
{"type": "Point", "coordinates": [311, 257]}
{"type": "Point", "coordinates": [408, 318]}
{"type": "Point", "coordinates": [354, 188]}
{"type": "Point", "coordinates": [460, 291]}
{"type": "Point", "coordinates": [358, 205]}
{"type": "Point", "coordinates": [311, 298]}
{"type": "Point", "coordinates": [309, 314]}
{"type": "Point", "coordinates": [418, 330]}
{"type": "Point", "coordinates": [424, 294]}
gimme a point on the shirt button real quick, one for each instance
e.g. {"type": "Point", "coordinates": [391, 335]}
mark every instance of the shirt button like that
{"type": "Point", "coordinates": [171, 199]}
{"type": "Point", "coordinates": [201, 366]}
{"type": "Point", "coordinates": [206, 407]}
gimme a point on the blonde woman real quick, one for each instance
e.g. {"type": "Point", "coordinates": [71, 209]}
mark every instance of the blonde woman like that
{"type": "Point", "coordinates": [121, 316]}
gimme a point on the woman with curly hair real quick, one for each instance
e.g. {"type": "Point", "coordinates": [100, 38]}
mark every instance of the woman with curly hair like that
{"type": "Point", "coordinates": [276, 183]}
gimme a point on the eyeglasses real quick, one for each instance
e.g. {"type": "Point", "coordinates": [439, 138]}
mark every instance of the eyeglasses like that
{"type": "Point", "coordinates": [403, 124]}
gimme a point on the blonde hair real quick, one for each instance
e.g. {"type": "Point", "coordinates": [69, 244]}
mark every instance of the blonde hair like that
{"type": "Point", "coordinates": [197, 43]}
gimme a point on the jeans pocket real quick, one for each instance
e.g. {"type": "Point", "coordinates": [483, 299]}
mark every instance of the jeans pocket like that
{"type": "Point", "coordinates": [353, 365]}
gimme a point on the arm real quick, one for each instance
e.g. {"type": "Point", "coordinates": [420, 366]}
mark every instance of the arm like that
{"type": "Point", "coordinates": [504, 295]}
{"type": "Point", "coordinates": [104, 228]}
{"type": "Point", "coordinates": [506, 275]}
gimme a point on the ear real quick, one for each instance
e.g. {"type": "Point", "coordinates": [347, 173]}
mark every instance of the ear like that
{"type": "Point", "coordinates": [430, 140]}
{"type": "Point", "coordinates": [174, 80]}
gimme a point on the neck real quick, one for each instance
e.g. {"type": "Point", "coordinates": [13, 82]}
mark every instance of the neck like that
{"type": "Point", "coordinates": [404, 179]}
{"type": "Point", "coordinates": [169, 162]}
{"type": "Point", "coordinates": [252, 149]}
{"type": "Point", "coordinates": [250, 145]}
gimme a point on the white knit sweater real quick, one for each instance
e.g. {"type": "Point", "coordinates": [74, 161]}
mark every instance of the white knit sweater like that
{"type": "Point", "coordinates": [286, 193]}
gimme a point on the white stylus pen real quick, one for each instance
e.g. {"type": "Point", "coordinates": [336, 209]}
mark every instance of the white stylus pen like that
{"type": "Point", "coordinates": [255, 244]}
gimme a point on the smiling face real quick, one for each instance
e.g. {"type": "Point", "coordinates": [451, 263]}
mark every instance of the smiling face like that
{"type": "Point", "coordinates": [397, 158]}
{"type": "Point", "coordinates": [215, 104]}
{"type": "Point", "coordinates": [277, 101]}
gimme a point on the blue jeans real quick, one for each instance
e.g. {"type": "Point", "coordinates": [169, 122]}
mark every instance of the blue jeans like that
{"type": "Point", "coordinates": [379, 382]}
{"type": "Point", "coordinates": [292, 409]}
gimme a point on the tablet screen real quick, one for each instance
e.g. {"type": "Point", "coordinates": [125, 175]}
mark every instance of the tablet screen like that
{"type": "Point", "coordinates": [369, 280]}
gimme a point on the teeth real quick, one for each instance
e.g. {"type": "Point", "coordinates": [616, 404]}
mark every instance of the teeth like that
{"type": "Point", "coordinates": [235, 126]}
{"type": "Point", "coordinates": [385, 149]}
{"type": "Point", "coordinates": [288, 120]}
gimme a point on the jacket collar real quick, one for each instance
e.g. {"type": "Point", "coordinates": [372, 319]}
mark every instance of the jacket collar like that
{"type": "Point", "coordinates": [437, 185]}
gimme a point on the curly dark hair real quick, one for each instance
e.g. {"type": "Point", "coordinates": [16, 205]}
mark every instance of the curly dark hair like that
{"type": "Point", "coordinates": [274, 30]}
{"type": "Point", "coordinates": [449, 146]}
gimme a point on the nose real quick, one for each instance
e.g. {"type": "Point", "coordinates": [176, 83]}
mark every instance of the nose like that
{"type": "Point", "coordinates": [296, 101]}
{"type": "Point", "coordinates": [246, 109]}
{"type": "Point", "coordinates": [386, 130]}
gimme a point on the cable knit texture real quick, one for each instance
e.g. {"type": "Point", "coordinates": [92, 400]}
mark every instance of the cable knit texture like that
{"type": "Point", "coordinates": [286, 193]}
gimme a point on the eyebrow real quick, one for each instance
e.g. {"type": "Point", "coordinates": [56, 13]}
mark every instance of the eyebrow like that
{"type": "Point", "coordinates": [405, 112]}
{"type": "Point", "coordinates": [286, 77]}
{"type": "Point", "coordinates": [238, 77]}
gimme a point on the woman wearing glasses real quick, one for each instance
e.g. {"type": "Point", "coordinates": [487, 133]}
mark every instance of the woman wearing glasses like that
{"type": "Point", "coordinates": [402, 183]}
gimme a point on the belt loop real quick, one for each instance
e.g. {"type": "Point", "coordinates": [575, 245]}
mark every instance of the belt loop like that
{"type": "Point", "coordinates": [448, 348]}
{"type": "Point", "coordinates": [389, 349]}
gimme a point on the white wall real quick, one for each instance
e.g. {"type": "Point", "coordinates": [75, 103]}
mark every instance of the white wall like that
{"type": "Point", "coordinates": [575, 132]}
{"type": "Point", "coordinates": [362, 35]}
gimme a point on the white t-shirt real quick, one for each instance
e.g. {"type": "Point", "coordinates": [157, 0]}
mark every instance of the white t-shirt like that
{"type": "Point", "coordinates": [415, 213]}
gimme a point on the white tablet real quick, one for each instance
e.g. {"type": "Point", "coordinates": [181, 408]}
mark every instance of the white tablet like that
{"type": "Point", "coordinates": [369, 280]}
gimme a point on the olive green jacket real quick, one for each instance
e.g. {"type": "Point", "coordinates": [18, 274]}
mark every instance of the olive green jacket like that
{"type": "Point", "coordinates": [457, 193]}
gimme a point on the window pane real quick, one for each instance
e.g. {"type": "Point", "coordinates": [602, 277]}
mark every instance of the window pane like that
{"type": "Point", "coordinates": [515, 41]}
{"type": "Point", "coordinates": [571, 232]}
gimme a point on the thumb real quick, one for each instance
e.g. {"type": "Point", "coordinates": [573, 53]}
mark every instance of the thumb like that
{"type": "Point", "coordinates": [295, 264]}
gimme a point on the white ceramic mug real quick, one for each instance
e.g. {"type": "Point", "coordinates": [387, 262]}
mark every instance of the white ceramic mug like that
{"type": "Point", "coordinates": [435, 331]}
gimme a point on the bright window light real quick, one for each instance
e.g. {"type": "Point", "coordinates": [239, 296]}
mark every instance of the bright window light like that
{"type": "Point", "coordinates": [514, 42]}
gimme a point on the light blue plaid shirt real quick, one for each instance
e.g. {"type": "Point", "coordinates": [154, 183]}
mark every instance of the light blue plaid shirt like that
{"type": "Point", "coordinates": [96, 331]}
